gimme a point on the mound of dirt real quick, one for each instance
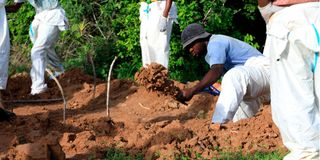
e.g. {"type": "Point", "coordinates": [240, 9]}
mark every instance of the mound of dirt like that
{"type": "Point", "coordinates": [19, 85]}
{"type": "Point", "coordinates": [155, 78]}
{"type": "Point", "coordinates": [141, 121]}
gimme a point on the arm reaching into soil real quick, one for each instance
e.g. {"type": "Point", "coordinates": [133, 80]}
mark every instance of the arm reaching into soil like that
{"type": "Point", "coordinates": [211, 77]}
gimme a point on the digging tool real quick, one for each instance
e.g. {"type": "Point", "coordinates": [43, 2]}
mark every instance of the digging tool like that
{"type": "Point", "coordinates": [62, 94]}
{"type": "Point", "coordinates": [180, 98]}
{"type": "Point", "coordinates": [108, 89]}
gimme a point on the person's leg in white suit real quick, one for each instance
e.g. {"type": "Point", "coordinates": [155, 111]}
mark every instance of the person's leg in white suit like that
{"type": "Point", "coordinates": [155, 44]}
{"type": "Point", "coordinates": [54, 60]}
{"type": "Point", "coordinates": [295, 104]}
{"type": "Point", "coordinates": [241, 90]}
{"type": "Point", "coordinates": [294, 86]}
{"type": "Point", "coordinates": [4, 49]}
{"type": "Point", "coordinates": [47, 36]}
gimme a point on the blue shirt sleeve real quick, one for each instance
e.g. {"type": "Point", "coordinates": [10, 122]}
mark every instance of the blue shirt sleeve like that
{"type": "Point", "coordinates": [229, 51]}
{"type": "Point", "coordinates": [217, 51]}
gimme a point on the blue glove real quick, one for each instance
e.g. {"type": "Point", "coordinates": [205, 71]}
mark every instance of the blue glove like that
{"type": "Point", "coordinates": [211, 90]}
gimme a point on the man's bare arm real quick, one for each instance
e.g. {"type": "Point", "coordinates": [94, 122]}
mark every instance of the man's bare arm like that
{"type": "Point", "coordinates": [263, 3]}
{"type": "Point", "coordinates": [167, 8]}
{"type": "Point", "coordinates": [211, 77]}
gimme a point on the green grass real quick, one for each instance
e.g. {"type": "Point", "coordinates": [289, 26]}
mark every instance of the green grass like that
{"type": "Point", "coordinates": [239, 156]}
{"type": "Point", "coordinates": [256, 156]}
{"type": "Point", "coordinates": [118, 154]}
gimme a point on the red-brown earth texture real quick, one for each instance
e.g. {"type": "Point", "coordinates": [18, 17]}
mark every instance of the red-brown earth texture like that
{"type": "Point", "coordinates": [144, 119]}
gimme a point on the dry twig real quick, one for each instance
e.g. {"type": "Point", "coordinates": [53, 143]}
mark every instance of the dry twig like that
{"type": "Point", "coordinates": [94, 74]}
{"type": "Point", "coordinates": [143, 106]}
{"type": "Point", "coordinates": [108, 87]}
{"type": "Point", "coordinates": [62, 94]}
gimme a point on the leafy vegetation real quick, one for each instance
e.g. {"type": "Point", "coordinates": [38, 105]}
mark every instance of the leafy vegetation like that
{"type": "Point", "coordinates": [118, 154]}
{"type": "Point", "coordinates": [239, 156]}
{"type": "Point", "coordinates": [109, 28]}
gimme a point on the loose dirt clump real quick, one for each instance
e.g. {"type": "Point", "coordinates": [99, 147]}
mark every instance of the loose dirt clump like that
{"type": "Point", "coordinates": [155, 78]}
{"type": "Point", "coordinates": [143, 121]}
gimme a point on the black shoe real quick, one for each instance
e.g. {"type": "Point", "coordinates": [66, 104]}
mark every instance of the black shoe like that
{"type": "Point", "coordinates": [7, 115]}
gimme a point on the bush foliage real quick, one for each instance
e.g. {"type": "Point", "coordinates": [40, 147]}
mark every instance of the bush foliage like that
{"type": "Point", "coordinates": [109, 28]}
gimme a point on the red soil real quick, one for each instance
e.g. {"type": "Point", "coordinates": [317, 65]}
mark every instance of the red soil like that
{"type": "Point", "coordinates": [145, 120]}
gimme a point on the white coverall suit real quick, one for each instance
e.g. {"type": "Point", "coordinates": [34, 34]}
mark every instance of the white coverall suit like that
{"type": "Point", "coordinates": [44, 32]}
{"type": "Point", "coordinates": [243, 90]}
{"type": "Point", "coordinates": [155, 44]}
{"type": "Point", "coordinates": [4, 45]}
{"type": "Point", "coordinates": [293, 42]}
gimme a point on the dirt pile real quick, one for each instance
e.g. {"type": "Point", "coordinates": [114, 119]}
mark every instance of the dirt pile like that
{"type": "Point", "coordinates": [19, 85]}
{"type": "Point", "coordinates": [145, 122]}
{"type": "Point", "coordinates": [155, 78]}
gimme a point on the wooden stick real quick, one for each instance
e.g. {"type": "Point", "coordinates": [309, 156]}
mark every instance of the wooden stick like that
{"type": "Point", "coordinates": [143, 106]}
{"type": "Point", "coordinates": [62, 94]}
{"type": "Point", "coordinates": [94, 75]}
{"type": "Point", "coordinates": [108, 87]}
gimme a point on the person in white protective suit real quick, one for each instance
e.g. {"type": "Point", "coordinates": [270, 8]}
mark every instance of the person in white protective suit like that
{"type": "Point", "coordinates": [157, 17]}
{"type": "Point", "coordinates": [245, 71]}
{"type": "Point", "coordinates": [5, 40]}
{"type": "Point", "coordinates": [4, 53]}
{"type": "Point", "coordinates": [293, 45]}
{"type": "Point", "coordinates": [44, 32]}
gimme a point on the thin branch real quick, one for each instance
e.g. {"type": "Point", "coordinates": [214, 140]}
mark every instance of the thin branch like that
{"type": "Point", "coordinates": [94, 74]}
{"type": "Point", "coordinates": [62, 94]}
{"type": "Point", "coordinates": [95, 19]}
{"type": "Point", "coordinates": [108, 87]}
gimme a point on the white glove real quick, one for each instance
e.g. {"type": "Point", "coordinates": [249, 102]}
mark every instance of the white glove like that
{"type": "Point", "coordinates": [163, 24]}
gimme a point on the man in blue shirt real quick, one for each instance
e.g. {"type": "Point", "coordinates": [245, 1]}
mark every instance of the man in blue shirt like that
{"type": "Point", "coordinates": [245, 71]}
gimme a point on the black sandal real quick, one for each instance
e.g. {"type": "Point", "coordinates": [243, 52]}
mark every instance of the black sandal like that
{"type": "Point", "coordinates": [7, 115]}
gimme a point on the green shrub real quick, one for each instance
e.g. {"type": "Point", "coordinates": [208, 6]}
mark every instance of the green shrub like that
{"type": "Point", "coordinates": [109, 28]}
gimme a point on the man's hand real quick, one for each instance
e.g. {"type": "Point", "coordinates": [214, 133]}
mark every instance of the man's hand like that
{"type": "Point", "coordinates": [163, 24]}
{"type": "Point", "coordinates": [185, 95]}
{"type": "Point", "coordinates": [188, 94]}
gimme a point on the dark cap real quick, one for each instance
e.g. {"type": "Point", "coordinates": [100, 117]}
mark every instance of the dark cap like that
{"type": "Point", "coordinates": [192, 33]}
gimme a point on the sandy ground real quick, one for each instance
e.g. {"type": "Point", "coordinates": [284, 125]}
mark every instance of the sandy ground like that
{"type": "Point", "coordinates": [144, 118]}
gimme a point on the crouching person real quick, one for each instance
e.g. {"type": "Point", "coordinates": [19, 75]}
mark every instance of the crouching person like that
{"type": "Point", "coordinates": [245, 71]}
